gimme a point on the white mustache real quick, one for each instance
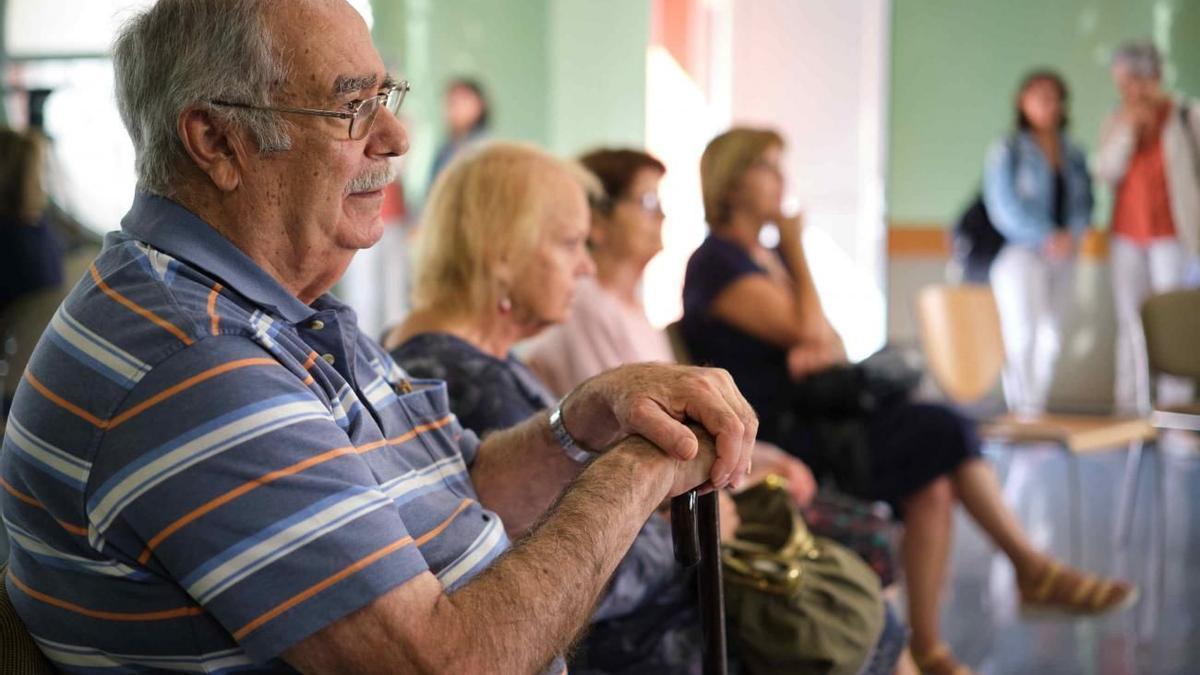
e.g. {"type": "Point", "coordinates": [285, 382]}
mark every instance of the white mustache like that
{"type": "Point", "coordinates": [375, 178]}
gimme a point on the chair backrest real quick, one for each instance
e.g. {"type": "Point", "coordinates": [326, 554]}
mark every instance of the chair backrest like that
{"type": "Point", "coordinates": [960, 335]}
{"type": "Point", "coordinates": [1171, 322]}
{"type": "Point", "coordinates": [19, 654]}
{"type": "Point", "coordinates": [678, 345]}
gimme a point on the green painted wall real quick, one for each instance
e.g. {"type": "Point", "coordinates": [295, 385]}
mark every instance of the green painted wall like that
{"type": "Point", "coordinates": [955, 66]}
{"type": "Point", "coordinates": [597, 73]}
{"type": "Point", "coordinates": [560, 73]}
{"type": "Point", "coordinates": [503, 43]}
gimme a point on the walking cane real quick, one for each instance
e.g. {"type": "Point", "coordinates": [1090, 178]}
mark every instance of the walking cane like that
{"type": "Point", "coordinates": [695, 531]}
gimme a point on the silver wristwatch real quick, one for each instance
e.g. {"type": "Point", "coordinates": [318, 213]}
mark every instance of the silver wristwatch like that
{"type": "Point", "coordinates": [569, 447]}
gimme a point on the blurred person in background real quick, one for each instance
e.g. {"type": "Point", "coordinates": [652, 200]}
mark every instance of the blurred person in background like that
{"type": "Point", "coordinates": [501, 256]}
{"type": "Point", "coordinates": [467, 115]}
{"type": "Point", "coordinates": [1149, 154]}
{"type": "Point", "coordinates": [607, 327]}
{"type": "Point", "coordinates": [754, 311]}
{"type": "Point", "coordinates": [1039, 196]}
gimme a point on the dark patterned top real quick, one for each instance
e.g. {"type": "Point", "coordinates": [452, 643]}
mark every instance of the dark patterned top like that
{"type": "Point", "coordinates": [647, 621]}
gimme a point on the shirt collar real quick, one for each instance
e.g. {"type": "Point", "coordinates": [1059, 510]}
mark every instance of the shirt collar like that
{"type": "Point", "coordinates": [169, 227]}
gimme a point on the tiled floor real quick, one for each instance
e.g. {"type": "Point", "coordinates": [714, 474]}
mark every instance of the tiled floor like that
{"type": "Point", "coordinates": [980, 618]}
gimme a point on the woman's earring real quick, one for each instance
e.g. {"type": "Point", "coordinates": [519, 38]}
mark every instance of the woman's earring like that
{"type": "Point", "coordinates": [505, 305]}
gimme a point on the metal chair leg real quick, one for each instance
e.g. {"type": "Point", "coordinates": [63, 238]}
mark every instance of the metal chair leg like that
{"type": "Point", "coordinates": [1076, 508]}
{"type": "Point", "coordinates": [1157, 563]}
{"type": "Point", "coordinates": [1127, 503]}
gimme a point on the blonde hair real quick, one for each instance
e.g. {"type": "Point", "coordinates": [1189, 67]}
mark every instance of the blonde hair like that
{"type": "Point", "coordinates": [487, 207]}
{"type": "Point", "coordinates": [726, 158]}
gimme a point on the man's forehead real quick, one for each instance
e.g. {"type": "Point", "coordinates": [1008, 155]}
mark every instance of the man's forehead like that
{"type": "Point", "coordinates": [336, 58]}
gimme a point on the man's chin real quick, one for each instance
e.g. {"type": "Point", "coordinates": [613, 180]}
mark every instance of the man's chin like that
{"type": "Point", "coordinates": [363, 233]}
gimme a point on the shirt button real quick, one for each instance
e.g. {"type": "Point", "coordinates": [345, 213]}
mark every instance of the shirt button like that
{"type": "Point", "coordinates": [328, 358]}
{"type": "Point", "coordinates": [317, 324]}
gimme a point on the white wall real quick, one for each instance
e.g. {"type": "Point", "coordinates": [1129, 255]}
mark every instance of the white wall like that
{"type": "Point", "coordinates": [816, 70]}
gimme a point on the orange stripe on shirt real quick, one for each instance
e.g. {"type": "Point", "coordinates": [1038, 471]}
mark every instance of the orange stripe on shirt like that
{"type": "Point", "coordinates": [430, 535]}
{"type": "Point", "coordinates": [320, 586]}
{"type": "Point", "coordinates": [308, 364]}
{"type": "Point", "coordinates": [212, 308]}
{"type": "Point", "coordinates": [64, 403]}
{"type": "Point", "coordinates": [28, 499]}
{"type": "Point", "coordinates": [176, 613]}
{"type": "Point", "coordinates": [268, 478]}
{"type": "Point", "coordinates": [188, 384]}
{"type": "Point", "coordinates": [138, 309]}
{"type": "Point", "coordinates": [153, 400]}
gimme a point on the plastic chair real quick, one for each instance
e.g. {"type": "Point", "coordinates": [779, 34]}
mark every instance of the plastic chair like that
{"type": "Point", "coordinates": [1171, 332]}
{"type": "Point", "coordinates": [19, 654]}
{"type": "Point", "coordinates": [964, 348]}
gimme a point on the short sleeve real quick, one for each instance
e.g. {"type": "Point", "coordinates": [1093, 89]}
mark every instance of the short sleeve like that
{"type": "Point", "coordinates": [712, 268]}
{"type": "Point", "coordinates": [227, 475]}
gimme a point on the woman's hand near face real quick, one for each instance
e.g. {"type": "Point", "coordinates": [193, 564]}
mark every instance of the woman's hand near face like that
{"type": "Point", "coordinates": [1059, 246]}
{"type": "Point", "coordinates": [790, 230]}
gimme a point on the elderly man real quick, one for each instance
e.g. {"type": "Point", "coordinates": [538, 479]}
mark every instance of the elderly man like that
{"type": "Point", "coordinates": [208, 468]}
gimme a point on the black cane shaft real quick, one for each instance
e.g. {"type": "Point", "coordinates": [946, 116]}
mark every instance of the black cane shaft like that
{"type": "Point", "coordinates": [712, 595]}
{"type": "Point", "coordinates": [683, 529]}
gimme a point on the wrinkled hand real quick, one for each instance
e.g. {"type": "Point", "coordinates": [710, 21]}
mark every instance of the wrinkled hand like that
{"type": "Point", "coordinates": [653, 401]}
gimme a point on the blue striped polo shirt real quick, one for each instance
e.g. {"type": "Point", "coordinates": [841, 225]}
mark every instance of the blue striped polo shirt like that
{"type": "Point", "coordinates": [200, 470]}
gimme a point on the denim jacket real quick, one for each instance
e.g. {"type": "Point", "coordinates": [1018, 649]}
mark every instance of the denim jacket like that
{"type": "Point", "coordinates": [1018, 189]}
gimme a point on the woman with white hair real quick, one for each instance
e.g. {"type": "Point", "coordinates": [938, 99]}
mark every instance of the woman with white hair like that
{"type": "Point", "coordinates": [1150, 154]}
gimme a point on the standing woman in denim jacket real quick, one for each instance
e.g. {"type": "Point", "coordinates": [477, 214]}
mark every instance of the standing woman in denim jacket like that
{"type": "Point", "coordinates": [1039, 196]}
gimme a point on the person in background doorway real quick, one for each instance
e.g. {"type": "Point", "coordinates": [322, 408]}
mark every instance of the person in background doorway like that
{"type": "Point", "coordinates": [467, 115]}
{"type": "Point", "coordinates": [1038, 193]}
{"type": "Point", "coordinates": [1149, 154]}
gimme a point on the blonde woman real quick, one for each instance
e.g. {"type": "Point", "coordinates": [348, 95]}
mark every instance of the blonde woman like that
{"type": "Point", "coordinates": [754, 311]}
{"type": "Point", "coordinates": [502, 254]}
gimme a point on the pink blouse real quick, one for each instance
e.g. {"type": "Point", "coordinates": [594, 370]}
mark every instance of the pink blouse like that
{"type": "Point", "coordinates": [603, 332]}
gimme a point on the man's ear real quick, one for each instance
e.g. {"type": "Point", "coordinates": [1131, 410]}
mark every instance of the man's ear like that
{"type": "Point", "coordinates": [213, 146]}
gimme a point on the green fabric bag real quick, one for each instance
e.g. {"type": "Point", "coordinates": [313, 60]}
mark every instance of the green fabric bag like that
{"type": "Point", "coordinates": [796, 603]}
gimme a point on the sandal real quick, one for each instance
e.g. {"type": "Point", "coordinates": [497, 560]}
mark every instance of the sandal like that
{"type": "Point", "coordinates": [1063, 591]}
{"type": "Point", "coordinates": [941, 661]}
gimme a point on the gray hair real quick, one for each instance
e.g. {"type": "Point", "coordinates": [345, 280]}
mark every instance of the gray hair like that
{"type": "Point", "coordinates": [1141, 58]}
{"type": "Point", "coordinates": [183, 53]}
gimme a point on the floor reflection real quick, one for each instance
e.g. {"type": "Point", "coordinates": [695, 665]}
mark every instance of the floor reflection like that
{"type": "Point", "coordinates": [1159, 636]}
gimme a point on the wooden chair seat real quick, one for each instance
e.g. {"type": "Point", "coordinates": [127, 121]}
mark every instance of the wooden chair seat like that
{"type": "Point", "coordinates": [1077, 433]}
{"type": "Point", "coordinates": [1184, 417]}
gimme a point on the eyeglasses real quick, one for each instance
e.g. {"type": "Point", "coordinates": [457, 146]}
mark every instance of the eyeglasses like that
{"type": "Point", "coordinates": [360, 113]}
{"type": "Point", "coordinates": [647, 202]}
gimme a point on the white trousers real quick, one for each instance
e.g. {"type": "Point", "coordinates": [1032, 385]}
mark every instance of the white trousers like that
{"type": "Point", "coordinates": [1137, 273]}
{"type": "Point", "coordinates": [1033, 295]}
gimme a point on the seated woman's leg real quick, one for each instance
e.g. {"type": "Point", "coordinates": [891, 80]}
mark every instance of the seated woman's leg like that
{"type": "Point", "coordinates": [925, 549]}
